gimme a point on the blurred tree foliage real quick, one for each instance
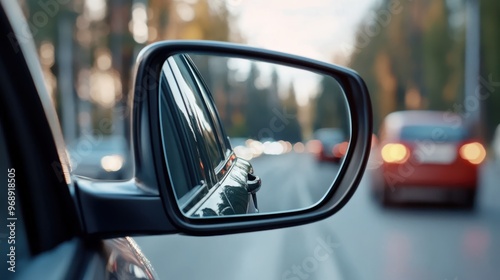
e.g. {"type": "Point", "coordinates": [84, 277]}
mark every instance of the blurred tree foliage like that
{"type": "Point", "coordinates": [114, 31]}
{"type": "Point", "coordinates": [43, 19]}
{"type": "Point", "coordinates": [490, 62]}
{"type": "Point", "coordinates": [268, 116]}
{"type": "Point", "coordinates": [190, 20]}
{"type": "Point", "coordinates": [411, 56]}
{"type": "Point", "coordinates": [330, 107]}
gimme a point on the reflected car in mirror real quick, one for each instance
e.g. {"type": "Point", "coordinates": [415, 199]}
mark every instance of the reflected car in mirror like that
{"type": "Point", "coordinates": [330, 144]}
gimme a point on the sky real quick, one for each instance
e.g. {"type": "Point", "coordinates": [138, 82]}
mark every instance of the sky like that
{"type": "Point", "coordinates": [318, 29]}
{"type": "Point", "coordinates": [313, 28]}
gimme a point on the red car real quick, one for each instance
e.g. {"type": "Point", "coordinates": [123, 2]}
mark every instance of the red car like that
{"type": "Point", "coordinates": [427, 156]}
{"type": "Point", "coordinates": [329, 144]}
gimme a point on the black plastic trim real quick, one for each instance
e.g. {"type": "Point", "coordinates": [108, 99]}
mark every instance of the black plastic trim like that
{"type": "Point", "coordinates": [116, 209]}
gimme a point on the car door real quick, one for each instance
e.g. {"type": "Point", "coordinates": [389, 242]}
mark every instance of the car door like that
{"type": "Point", "coordinates": [218, 183]}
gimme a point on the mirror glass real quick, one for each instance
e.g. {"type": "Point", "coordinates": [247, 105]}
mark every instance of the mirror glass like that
{"type": "Point", "coordinates": [242, 136]}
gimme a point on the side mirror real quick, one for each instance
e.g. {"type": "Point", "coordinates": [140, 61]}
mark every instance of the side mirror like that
{"type": "Point", "coordinates": [196, 93]}
{"type": "Point", "coordinates": [229, 138]}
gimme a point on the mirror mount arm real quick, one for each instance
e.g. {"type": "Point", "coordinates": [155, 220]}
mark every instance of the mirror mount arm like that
{"type": "Point", "coordinates": [253, 183]}
{"type": "Point", "coordinates": [117, 209]}
{"type": "Point", "coordinates": [253, 186]}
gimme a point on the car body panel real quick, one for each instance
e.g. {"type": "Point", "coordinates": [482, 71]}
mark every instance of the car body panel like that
{"type": "Point", "coordinates": [125, 260]}
{"type": "Point", "coordinates": [231, 196]}
{"type": "Point", "coordinates": [457, 173]}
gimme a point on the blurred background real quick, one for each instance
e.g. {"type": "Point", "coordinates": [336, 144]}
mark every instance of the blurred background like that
{"type": "Point", "coordinates": [439, 55]}
{"type": "Point", "coordinates": [414, 55]}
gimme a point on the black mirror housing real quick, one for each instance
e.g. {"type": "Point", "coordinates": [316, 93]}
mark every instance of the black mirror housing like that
{"type": "Point", "coordinates": [147, 204]}
{"type": "Point", "coordinates": [151, 169]}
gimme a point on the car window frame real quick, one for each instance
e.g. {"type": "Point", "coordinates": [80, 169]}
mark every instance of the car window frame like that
{"type": "Point", "coordinates": [173, 132]}
{"type": "Point", "coordinates": [210, 103]}
{"type": "Point", "coordinates": [217, 171]}
{"type": "Point", "coordinates": [194, 123]}
{"type": "Point", "coordinates": [179, 72]}
{"type": "Point", "coordinates": [204, 117]}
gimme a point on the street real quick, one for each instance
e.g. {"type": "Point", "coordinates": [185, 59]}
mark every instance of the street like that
{"type": "Point", "coordinates": [292, 181]}
{"type": "Point", "coordinates": [362, 241]}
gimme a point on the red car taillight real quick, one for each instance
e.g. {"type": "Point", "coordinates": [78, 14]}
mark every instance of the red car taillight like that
{"type": "Point", "coordinates": [340, 149]}
{"type": "Point", "coordinates": [314, 146]}
{"type": "Point", "coordinates": [473, 152]}
{"type": "Point", "coordinates": [395, 153]}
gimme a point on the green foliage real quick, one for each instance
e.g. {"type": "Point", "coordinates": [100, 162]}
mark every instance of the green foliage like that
{"type": "Point", "coordinates": [410, 57]}
{"type": "Point", "coordinates": [490, 62]}
{"type": "Point", "coordinates": [330, 107]}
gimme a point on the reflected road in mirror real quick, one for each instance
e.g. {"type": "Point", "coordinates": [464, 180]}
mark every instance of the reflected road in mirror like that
{"type": "Point", "coordinates": [292, 181]}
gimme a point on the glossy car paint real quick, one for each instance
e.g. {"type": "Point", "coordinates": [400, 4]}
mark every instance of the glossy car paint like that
{"type": "Point", "coordinates": [126, 261]}
{"type": "Point", "coordinates": [232, 196]}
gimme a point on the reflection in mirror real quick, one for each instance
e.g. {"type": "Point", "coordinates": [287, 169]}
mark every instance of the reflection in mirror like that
{"type": "Point", "coordinates": [243, 136]}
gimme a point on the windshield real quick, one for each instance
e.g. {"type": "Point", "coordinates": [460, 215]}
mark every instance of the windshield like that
{"type": "Point", "coordinates": [437, 133]}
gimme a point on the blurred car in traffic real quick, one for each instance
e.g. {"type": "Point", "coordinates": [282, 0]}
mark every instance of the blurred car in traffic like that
{"type": "Point", "coordinates": [104, 158]}
{"type": "Point", "coordinates": [241, 148]}
{"type": "Point", "coordinates": [329, 144]}
{"type": "Point", "coordinates": [427, 156]}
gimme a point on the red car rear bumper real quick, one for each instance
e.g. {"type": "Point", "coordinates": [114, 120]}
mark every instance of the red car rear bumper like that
{"type": "Point", "coordinates": [459, 175]}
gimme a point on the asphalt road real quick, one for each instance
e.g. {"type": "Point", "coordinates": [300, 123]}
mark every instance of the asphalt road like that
{"type": "Point", "coordinates": [362, 241]}
{"type": "Point", "coordinates": [292, 181]}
